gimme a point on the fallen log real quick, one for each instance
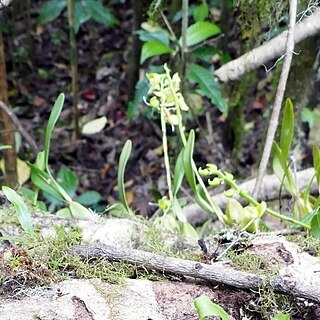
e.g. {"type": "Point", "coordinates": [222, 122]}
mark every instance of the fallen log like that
{"type": "Point", "coordinates": [216, 272]}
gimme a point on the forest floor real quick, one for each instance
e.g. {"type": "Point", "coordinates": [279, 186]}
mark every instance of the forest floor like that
{"type": "Point", "coordinates": [36, 79]}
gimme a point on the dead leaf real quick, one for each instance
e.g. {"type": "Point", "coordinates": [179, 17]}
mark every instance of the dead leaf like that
{"type": "Point", "coordinates": [94, 126]}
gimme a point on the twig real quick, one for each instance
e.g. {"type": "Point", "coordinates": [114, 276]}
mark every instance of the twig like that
{"type": "Point", "coordinates": [273, 123]}
{"type": "Point", "coordinates": [272, 49]}
{"type": "Point", "coordinates": [216, 272]}
{"type": "Point", "coordinates": [20, 128]}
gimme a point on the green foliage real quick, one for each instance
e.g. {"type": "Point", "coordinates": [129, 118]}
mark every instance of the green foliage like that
{"type": "Point", "coordinates": [153, 48]}
{"type": "Point", "coordinates": [51, 10]}
{"type": "Point", "coordinates": [200, 13]}
{"type": "Point", "coordinates": [157, 41]}
{"type": "Point", "coordinates": [43, 179]}
{"type": "Point", "coordinates": [205, 308]}
{"type": "Point", "coordinates": [21, 209]}
{"type": "Point", "coordinates": [200, 31]}
{"type": "Point", "coordinates": [310, 116]}
{"type": "Point", "coordinates": [5, 147]}
{"type": "Point", "coordinates": [124, 157]}
{"type": "Point", "coordinates": [306, 206]}
{"type": "Point", "coordinates": [141, 91]}
{"type": "Point", "coordinates": [250, 214]}
{"type": "Point", "coordinates": [84, 10]}
{"type": "Point", "coordinates": [282, 316]}
{"type": "Point", "coordinates": [208, 85]}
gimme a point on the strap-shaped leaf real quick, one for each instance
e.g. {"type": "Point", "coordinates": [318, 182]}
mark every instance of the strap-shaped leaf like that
{"type": "Point", "coordinates": [124, 156]}
{"type": "Point", "coordinates": [187, 230]}
{"type": "Point", "coordinates": [153, 48]}
{"type": "Point", "coordinates": [54, 115]}
{"type": "Point", "coordinates": [282, 171]}
{"type": "Point", "coordinates": [178, 173]}
{"type": "Point", "coordinates": [44, 182]}
{"type": "Point", "coordinates": [287, 129]}
{"type": "Point", "coordinates": [187, 162]}
{"type": "Point", "coordinates": [21, 209]}
{"type": "Point", "coordinates": [316, 163]}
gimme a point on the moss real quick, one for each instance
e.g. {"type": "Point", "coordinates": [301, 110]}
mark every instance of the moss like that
{"type": "Point", "coordinates": [251, 263]}
{"type": "Point", "coordinates": [306, 243]}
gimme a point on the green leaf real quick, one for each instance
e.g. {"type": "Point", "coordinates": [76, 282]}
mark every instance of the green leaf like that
{"type": "Point", "coordinates": [280, 168]}
{"type": "Point", "coordinates": [51, 10]}
{"type": "Point", "coordinates": [68, 180]}
{"type": "Point", "coordinates": [315, 226]}
{"type": "Point", "coordinates": [200, 13]}
{"type": "Point", "coordinates": [54, 115]}
{"type": "Point", "coordinates": [99, 13]}
{"type": "Point", "coordinates": [187, 162]}
{"type": "Point", "coordinates": [64, 213]}
{"type": "Point", "coordinates": [188, 231]}
{"type": "Point", "coordinates": [177, 210]}
{"type": "Point", "coordinates": [161, 35]}
{"type": "Point", "coordinates": [124, 156]}
{"type": "Point", "coordinates": [153, 48]}
{"type": "Point", "coordinates": [178, 173]}
{"type": "Point", "coordinates": [141, 91]}
{"type": "Point", "coordinates": [30, 194]}
{"type": "Point", "coordinates": [80, 16]}
{"type": "Point", "coordinates": [79, 211]}
{"type": "Point", "coordinates": [208, 86]}
{"type": "Point", "coordinates": [206, 53]}
{"type": "Point", "coordinates": [205, 307]}
{"type": "Point", "coordinates": [200, 31]}
{"type": "Point", "coordinates": [21, 209]}
{"type": "Point", "coordinates": [43, 181]}
{"type": "Point", "coordinates": [316, 162]}
{"type": "Point", "coordinates": [5, 147]}
{"type": "Point", "coordinates": [89, 198]}
{"type": "Point", "coordinates": [287, 129]}
{"type": "Point", "coordinates": [282, 316]}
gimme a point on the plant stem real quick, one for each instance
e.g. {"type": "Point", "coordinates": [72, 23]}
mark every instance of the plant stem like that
{"type": "Point", "coordinates": [165, 152]}
{"type": "Point", "coordinates": [184, 48]}
{"type": "Point", "coordinates": [243, 194]}
{"type": "Point", "coordinates": [273, 123]}
{"type": "Point", "coordinates": [214, 208]}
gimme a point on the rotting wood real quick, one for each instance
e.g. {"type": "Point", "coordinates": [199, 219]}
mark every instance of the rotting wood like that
{"type": "Point", "coordinates": [217, 272]}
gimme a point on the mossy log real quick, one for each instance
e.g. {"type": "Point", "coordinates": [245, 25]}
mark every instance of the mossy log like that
{"type": "Point", "coordinates": [216, 272]}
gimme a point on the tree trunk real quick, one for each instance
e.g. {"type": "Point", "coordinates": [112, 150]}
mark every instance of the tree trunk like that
{"type": "Point", "coordinates": [7, 136]}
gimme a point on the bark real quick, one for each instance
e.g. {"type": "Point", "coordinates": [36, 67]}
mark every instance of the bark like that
{"type": "Point", "coordinates": [216, 272]}
{"type": "Point", "coordinates": [270, 190]}
{"type": "Point", "coordinates": [7, 134]}
{"type": "Point", "coordinates": [273, 49]}
{"type": "Point", "coordinates": [273, 123]}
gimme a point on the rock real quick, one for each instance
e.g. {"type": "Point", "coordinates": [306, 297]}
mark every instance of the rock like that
{"type": "Point", "coordinates": [85, 300]}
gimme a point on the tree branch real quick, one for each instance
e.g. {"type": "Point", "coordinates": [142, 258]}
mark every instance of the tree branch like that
{"type": "Point", "coordinates": [216, 272]}
{"type": "Point", "coordinates": [19, 127]}
{"type": "Point", "coordinates": [274, 48]}
{"type": "Point", "coordinates": [273, 123]}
